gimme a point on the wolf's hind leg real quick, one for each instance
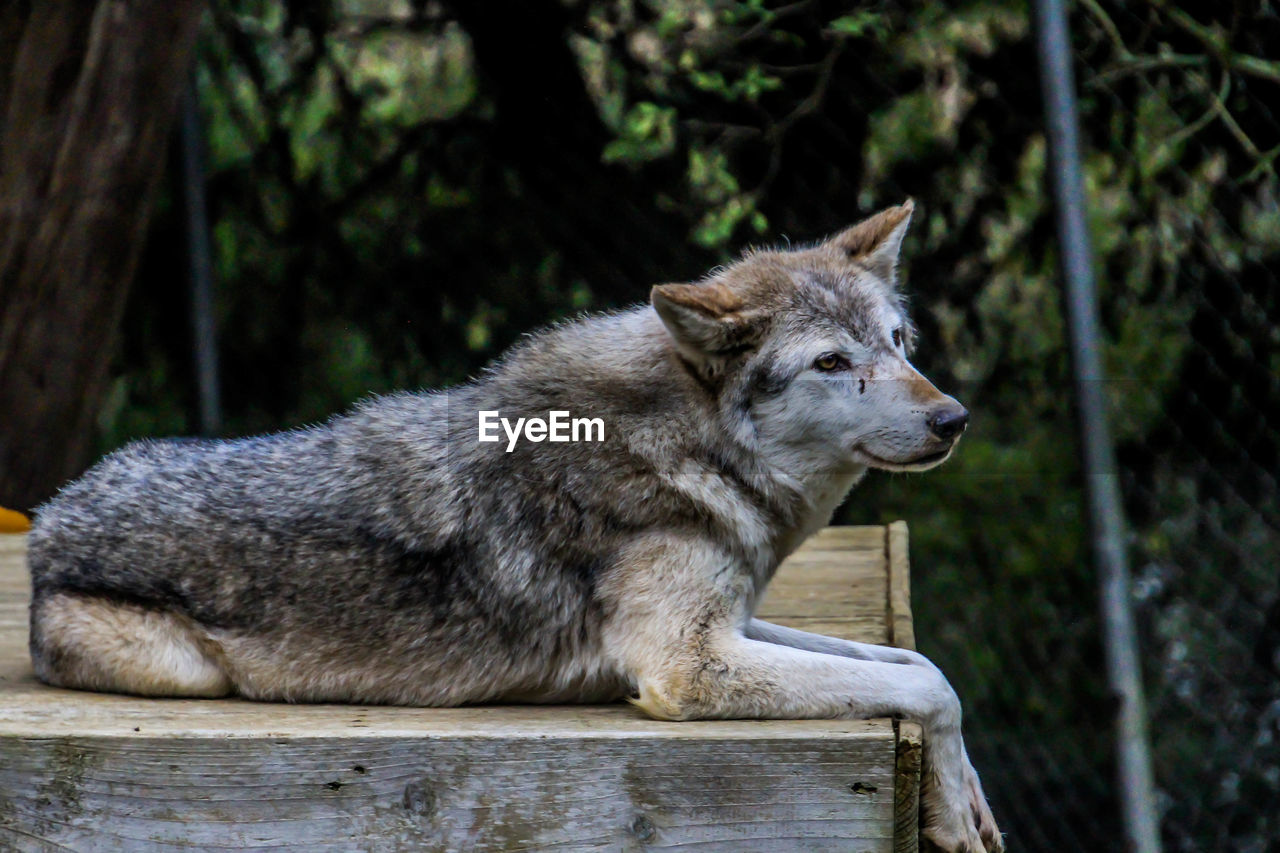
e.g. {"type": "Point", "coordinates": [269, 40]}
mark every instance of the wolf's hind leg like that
{"type": "Point", "coordinates": [94, 644]}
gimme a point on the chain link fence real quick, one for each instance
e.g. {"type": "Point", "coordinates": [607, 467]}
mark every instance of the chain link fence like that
{"type": "Point", "coordinates": [1189, 99]}
{"type": "Point", "coordinates": [399, 189]}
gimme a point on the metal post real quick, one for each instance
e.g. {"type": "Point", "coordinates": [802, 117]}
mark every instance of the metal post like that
{"type": "Point", "coordinates": [204, 332]}
{"type": "Point", "coordinates": [1106, 519]}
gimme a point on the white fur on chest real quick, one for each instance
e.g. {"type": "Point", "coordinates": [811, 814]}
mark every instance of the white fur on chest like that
{"type": "Point", "coordinates": [825, 492]}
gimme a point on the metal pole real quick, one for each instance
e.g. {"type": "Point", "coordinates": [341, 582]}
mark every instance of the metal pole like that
{"type": "Point", "coordinates": [1106, 519]}
{"type": "Point", "coordinates": [200, 256]}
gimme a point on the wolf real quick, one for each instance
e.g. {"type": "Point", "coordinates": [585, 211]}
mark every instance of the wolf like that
{"type": "Point", "coordinates": [390, 556]}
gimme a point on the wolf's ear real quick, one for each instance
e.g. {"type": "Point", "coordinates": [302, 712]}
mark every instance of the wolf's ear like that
{"type": "Point", "coordinates": [704, 319]}
{"type": "Point", "coordinates": [876, 241]}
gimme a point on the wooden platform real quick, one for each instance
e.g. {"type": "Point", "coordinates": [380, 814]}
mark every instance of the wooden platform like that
{"type": "Point", "coordinates": [84, 771]}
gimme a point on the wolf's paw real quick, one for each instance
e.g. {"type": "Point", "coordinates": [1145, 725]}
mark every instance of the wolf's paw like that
{"type": "Point", "coordinates": [961, 822]}
{"type": "Point", "coordinates": [958, 836]}
{"type": "Point", "coordinates": [937, 841]}
{"type": "Point", "coordinates": [980, 812]}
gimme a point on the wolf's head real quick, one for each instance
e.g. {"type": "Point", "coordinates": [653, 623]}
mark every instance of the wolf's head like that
{"type": "Point", "coordinates": [807, 350]}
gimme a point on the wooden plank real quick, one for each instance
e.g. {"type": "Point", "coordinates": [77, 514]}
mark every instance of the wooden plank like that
{"type": "Point", "coordinates": [901, 627]}
{"type": "Point", "coordinates": [906, 788]}
{"type": "Point", "coordinates": [14, 594]}
{"type": "Point", "coordinates": [910, 749]}
{"type": "Point", "coordinates": [99, 771]}
{"type": "Point", "coordinates": [835, 584]}
{"type": "Point", "coordinates": [468, 793]}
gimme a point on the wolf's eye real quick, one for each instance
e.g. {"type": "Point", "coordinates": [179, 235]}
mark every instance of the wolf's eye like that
{"type": "Point", "coordinates": [831, 361]}
{"type": "Point", "coordinates": [897, 337]}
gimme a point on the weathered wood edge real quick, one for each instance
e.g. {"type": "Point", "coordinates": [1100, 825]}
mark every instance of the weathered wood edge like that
{"type": "Point", "coordinates": [910, 736]}
{"type": "Point", "coordinates": [478, 794]}
{"type": "Point", "coordinates": [906, 786]}
{"type": "Point", "coordinates": [901, 627]}
{"type": "Point", "coordinates": [12, 543]}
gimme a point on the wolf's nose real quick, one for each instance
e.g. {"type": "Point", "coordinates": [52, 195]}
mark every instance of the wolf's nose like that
{"type": "Point", "coordinates": [949, 423]}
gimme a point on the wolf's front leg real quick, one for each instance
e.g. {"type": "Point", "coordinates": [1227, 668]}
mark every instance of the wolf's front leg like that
{"type": "Point", "coordinates": [791, 638]}
{"type": "Point", "coordinates": [735, 677]}
{"type": "Point", "coordinates": [677, 633]}
{"type": "Point", "coordinates": [757, 629]}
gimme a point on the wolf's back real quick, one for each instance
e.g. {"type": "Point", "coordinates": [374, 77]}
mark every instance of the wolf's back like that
{"type": "Point", "coordinates": [158, 521]}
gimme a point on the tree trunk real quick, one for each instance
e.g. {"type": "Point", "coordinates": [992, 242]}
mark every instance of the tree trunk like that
{"type": "Point", "coordinates": [88, 91]}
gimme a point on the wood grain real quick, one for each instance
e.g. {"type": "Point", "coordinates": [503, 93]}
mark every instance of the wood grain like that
{"type": "Point", "coordinates": [835, 584]}
{"type": "Point", "coordinates": [86, 771]}
{"type": "Point", "coordinates": [901, 627]}
{"type": "Point", "coordinates": [466, 793]}
{"type": "Point", "coordinates": [906, 787]}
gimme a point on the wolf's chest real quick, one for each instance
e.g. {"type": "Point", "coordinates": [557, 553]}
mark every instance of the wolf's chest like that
{"type": "Point", "coordinates": [825, 493]}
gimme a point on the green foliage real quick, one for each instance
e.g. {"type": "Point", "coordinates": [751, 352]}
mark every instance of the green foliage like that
{"type": "Point", "coordinates": [862, 23]}
{"type": "Point", "coordinates": [715, 185]}
{"type": "Point", "coordinates": [647, 132]}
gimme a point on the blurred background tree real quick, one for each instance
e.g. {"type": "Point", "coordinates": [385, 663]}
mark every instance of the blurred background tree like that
{"type": "Point", "coordinates": [88, 92]}
{"type": "Point", "coordinates": [400, 189]}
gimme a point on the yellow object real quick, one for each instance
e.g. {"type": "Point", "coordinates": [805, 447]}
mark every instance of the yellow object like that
{"type": "Point", "coordinates": [13, 522]}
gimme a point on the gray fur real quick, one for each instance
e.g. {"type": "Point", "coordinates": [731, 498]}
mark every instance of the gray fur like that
{"type": "Point", "coordinates": [391, 530]}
